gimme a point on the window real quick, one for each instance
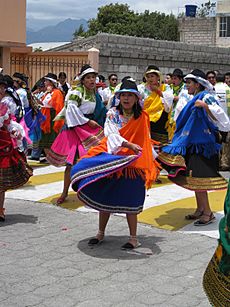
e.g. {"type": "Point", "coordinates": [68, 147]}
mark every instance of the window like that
{"type": "Point", "coordinates": [224, 26]}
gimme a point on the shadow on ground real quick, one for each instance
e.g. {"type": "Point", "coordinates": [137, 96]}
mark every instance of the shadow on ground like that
{"type": "Point", "coordinates": [110, 248]}
{"type": "Point", "coordinates": [19, 218]}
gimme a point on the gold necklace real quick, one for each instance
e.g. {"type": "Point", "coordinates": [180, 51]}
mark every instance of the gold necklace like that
{"type": "Point", "coordinates": [126, 114]}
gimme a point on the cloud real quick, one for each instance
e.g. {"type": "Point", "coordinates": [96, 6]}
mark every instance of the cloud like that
{"type": "Point", "coordinates": [53, 11]}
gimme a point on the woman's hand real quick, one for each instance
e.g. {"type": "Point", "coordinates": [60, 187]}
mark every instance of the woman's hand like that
{"type": "Point", "coordinates": [93, 124]}
{"type": "Point", "coordinates": [200, 104]}
{"type": "Point", "coordinates": [134, 147]}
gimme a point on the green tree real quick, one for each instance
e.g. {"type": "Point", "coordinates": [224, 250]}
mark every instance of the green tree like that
{"type": "Point", "coordinates": [205, 8]}
{"type": "Point", "coordinates": [79, 32]}
{"type": "Point", "coordinates": [119, 19]}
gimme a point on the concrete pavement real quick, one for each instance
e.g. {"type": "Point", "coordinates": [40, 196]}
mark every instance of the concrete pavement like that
{"type": "Point", "coordinates": [45, 261]}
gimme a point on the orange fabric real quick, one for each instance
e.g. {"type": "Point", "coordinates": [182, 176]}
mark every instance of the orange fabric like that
{"type": "Point", "coordinates": [57, 103]}
{"type": "Point", "coordinates": [135, 131]}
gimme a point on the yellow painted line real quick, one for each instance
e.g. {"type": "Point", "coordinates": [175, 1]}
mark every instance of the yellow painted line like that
{"type": "Point", "coordinates": [36, 164]}
{"type": "Point", "coordinates": [45, 178]}
{"type": "Point", "coordinates": [71, 202]}
{"type": "Point", "coordinates": [164, 181]}
{"type": "Point", "coordinates": [171, 215]}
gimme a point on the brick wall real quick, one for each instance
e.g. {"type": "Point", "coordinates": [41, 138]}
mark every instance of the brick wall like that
{"type": "Point", "coordinates": [198, 31]}
{"type": "Point", "coordinates": [127, 55]}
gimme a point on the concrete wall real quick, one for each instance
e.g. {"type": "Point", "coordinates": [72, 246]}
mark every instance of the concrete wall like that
{"type": "Point", "coordinates": [13, 22]}
{"type": "Point", "coordinates": [198, 31]}
{"type": "Point", "coordinates": [128, 55]}
{"type": "Point", "coordinates": [223, 9]}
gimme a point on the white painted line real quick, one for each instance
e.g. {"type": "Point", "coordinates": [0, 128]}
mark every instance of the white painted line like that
{"type": "Point", "coordinates": [36, 193]}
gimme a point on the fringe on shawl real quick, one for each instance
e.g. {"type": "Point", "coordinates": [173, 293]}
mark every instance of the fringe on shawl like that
{"type": "Point", "coordinates": [132, 173]}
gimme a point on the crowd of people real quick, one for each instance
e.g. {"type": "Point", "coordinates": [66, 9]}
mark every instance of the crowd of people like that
{"type": "Point", "coordinates": [114, 139]}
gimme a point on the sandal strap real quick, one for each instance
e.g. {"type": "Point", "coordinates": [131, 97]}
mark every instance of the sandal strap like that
{"type": "Point", "coordinates": [209, 215]}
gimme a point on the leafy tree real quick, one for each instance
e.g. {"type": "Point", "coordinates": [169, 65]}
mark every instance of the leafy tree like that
{"type": "Point", "coordinates": [39, 49]}
{"type": "Point", "coordinates": [119, 19]}
{"type": "Point", "coordinates": [79, 32]}
{"type": "Point", "coordinates": [205, 8]}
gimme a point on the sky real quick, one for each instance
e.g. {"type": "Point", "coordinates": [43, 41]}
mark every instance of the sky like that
{"type": "Point", "coordinates": [41, 13]}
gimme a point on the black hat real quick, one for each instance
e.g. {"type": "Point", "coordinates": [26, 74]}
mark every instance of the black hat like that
{"type": "Point", "coordinates": [20, 76]}
{"type": "Point", "coordinates": [178, 73]}
{"type": "Point", "coordinates": [9, 80]}
{"type": "Point", "coordinates": [51, 77]}
{"type": "Point", "coordinates": [3, 80]}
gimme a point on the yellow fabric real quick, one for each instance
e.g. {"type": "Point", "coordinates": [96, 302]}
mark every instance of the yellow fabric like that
{"type": "Point", "coordinates": [153, 105]}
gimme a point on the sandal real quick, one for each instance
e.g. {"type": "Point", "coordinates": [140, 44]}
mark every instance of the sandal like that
{"type": "Point", "coordinates": [196, 215]}
{"type": "Point", "coordinates": [129, 245]}
{"type": "Point", "coordinates": [202, 222]}
{"type": "Point", "coordinates": [96, 241]}
{"type": "Point", "coordinates": [2, 215]}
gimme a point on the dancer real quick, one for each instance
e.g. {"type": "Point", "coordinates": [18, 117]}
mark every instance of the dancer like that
{"type": "Point", "coordinates": [52, 104]}
{"type": "Point", "coordinates": [192, 157]}
{"type": "Point", "coordinates": [84, 115]}
{"type": "Point", "coordinates": [113, 176]}
{"type": "Point", "coordinates": [158, 99]}
{"type": "Point", "coordinates": [14, 171]}
{"type": "Point", "coordinates": [216, 280]}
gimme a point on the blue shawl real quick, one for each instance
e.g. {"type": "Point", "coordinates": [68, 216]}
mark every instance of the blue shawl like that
{"type": "Point", "coordinates": [195, 133]}
{"type": "Point", "coordinates": [100, 111]}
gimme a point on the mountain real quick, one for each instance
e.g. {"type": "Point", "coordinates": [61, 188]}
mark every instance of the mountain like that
{"type": "Point", "coordinates": [61, 32]}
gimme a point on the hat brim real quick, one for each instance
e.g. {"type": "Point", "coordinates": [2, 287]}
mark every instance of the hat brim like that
{"type": "Point", "coordinates": [55, 82]}
{"type": "Point", "coordinates": [205, 83]}
{"type": "Point", "coordinates": [86, 72]}
{"type": "Point", "coordinates": [117, 94]}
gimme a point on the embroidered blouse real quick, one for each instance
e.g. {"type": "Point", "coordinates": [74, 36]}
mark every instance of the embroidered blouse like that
{"type": "Point", "coordinates": [78, 104]}
{"type": "Point", "coordinates": [114, 122]}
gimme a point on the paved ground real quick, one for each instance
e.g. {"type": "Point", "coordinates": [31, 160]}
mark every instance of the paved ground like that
{"type": "Point", "coordinates": [45, 261]}
{"type": "Point", "coordinates": [165, 205]}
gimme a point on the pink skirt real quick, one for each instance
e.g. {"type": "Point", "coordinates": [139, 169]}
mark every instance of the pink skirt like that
{"type": "Point", "coordinates": [72, 144]}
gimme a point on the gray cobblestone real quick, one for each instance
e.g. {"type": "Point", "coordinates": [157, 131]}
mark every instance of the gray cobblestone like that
{"type": "Point", "coordinates": [45, 261]}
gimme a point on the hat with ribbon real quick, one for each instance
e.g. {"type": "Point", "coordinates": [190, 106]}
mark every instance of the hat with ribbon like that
{"type": "Point", "coordinates": [51, 77]}
{"type": "Point", "coordinates": [128, 86]}
{"type": "Point", "coordinates": [152, 69]}
{"type": "Point", "coordinates": [86, 69]}
{"type": "Point", "coordinates": [200, 77]}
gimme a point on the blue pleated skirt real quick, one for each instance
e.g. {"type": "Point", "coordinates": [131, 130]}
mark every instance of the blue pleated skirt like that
{"type": "Point", "coordinates": [101, 182]}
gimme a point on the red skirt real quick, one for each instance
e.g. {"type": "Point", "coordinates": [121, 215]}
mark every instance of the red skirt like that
{"type": "Point", "coordinates": [14, 170]}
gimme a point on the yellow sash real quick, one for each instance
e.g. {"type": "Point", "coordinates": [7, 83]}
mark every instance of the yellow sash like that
{"type": "Point", "coordinates": [153, 105]}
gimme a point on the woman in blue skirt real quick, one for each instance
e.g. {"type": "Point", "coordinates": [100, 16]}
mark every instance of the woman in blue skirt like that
{"type": "Point", "coordinates": [113, 176]}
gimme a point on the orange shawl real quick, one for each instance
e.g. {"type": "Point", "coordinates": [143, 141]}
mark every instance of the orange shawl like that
{"type": "Point", "coordinates": [57, 103]}
{"type": "Point", "coordinates": [135, 131]}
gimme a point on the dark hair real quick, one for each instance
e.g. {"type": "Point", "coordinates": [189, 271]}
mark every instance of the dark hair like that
{"type": "Point", "coordinates": [101, 78]}
{"type": "Point", "coordinates": [220, 78]}
{"type": "Point", "coordinates": [227, 74]}
{"type": "Point", "coordinates": [210, 72]}
{"type": "Point", "coordinates": [169, 74]}
{"type": "Point", "coordinates": [110, 76]}
{"type": "Point", "coordinates": [62, 74]}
